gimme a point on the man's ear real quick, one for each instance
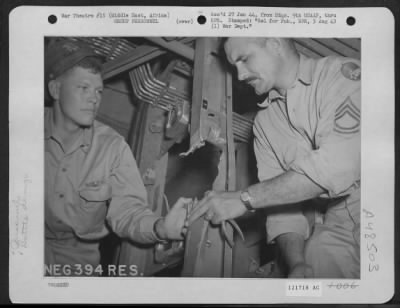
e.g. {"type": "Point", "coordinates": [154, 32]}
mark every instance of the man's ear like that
{"type": "Point", "coordinates": [54, 89]}
{"type": "Point", "coordinates": [274, 45]}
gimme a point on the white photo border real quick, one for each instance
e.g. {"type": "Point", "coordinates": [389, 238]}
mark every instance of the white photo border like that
{"type": "Point", "coordinates": [28, 27]}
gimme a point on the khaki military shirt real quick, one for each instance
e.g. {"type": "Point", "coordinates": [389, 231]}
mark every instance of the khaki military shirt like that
{"type": "Point", "coordinates": [314, 130]}
{"type": "Point", "coordinates": [91, 188]}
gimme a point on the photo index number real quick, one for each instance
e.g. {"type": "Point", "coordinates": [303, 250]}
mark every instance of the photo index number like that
{"type": "Point", "coordinates": [303, 288]}
{"type": "Point", "coordinates": [370, 238]}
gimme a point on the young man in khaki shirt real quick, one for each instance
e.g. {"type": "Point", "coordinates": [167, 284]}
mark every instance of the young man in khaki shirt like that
{"type": "Point", "coordinates": [92, 183]}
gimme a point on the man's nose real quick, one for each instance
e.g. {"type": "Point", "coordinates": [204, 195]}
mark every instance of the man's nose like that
{"type": "Point", "coordinates": [242, 72]}
{"type": "Point", "coordinates": [93, 97]}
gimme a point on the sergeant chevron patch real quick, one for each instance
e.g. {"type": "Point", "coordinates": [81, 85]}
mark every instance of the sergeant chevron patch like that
{"type": "Point", "coordinates": [347, 118]}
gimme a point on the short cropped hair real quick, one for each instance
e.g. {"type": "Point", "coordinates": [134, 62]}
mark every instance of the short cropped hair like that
{"type": "Point", "coordinates": [261, 41]}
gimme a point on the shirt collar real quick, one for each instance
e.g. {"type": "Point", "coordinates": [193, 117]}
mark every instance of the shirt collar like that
{"type": "Point", "coordinates": [85, 139]}
{"type": "Point", "coordinates": [305, 72]}
{"type": "Point", "coordinates": [273, 96]}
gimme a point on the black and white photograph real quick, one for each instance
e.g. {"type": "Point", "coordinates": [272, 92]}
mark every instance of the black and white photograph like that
{"type": "Point", "coordinates": [141, 148]}
{"type": "Point", "coordinates": [233, 157]}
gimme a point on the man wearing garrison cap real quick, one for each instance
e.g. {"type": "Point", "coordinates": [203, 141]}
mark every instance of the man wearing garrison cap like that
{"type": "Point", "coordinates": [91, 178]}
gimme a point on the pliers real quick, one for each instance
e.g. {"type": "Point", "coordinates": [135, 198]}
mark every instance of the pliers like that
{"type": "Point", "coordinates": [234, 226]}
{"type": "Point", "coordinates": [223, 225]}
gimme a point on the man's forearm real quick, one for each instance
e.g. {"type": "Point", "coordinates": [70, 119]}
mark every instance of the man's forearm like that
{"type": "Point", "coordinates": [291, 248]}
{"type": "Point", "coordinates": [287, 188]}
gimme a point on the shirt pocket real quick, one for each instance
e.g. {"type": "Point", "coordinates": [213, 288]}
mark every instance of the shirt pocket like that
{"type": "Point", "coordinates": [92, 210]}
{"type": "Point", "coordinates": [96, 191]}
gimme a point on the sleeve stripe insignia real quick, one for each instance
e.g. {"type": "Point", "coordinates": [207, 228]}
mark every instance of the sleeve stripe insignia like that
{"type": "Point", "coordinates": [347, 118]}
{"type": "Point", "coordinates": [351, 71]}
{"type": "Point", "coordinates": [346, 104]}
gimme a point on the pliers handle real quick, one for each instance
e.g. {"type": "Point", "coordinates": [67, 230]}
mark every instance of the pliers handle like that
{"type": "Point", "coordinates": [235, 226]}
{"type": "Point", "coordinates": [223, 224]}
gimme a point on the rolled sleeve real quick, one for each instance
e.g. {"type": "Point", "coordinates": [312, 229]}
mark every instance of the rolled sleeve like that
{"type": "Point", "coordinates": [129, 215]}
{"type": "Point", "coordinates": [292, 221]}
{"type": "Point", "coordinates": [335, 164]}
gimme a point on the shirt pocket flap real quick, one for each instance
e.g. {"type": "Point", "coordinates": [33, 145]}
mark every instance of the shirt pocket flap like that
{"type": "Point", "coordinates": [99, 193]}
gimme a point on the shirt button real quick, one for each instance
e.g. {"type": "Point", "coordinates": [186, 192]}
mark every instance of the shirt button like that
{"type": "Point", "coordinates": [64, 169]}
{"type": "Point", "coordinates": [61, 196]}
